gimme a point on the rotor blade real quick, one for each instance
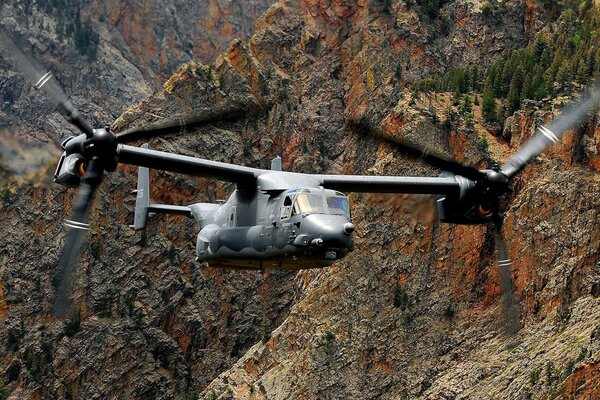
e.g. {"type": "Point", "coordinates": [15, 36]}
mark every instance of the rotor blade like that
{"type": "Point", "coordinates": [43, 81]}
{"type": "Point", "coordinates": [545, 137]}
{"type": "Point", "coordinates": [431, 158]}
{"type": "Point", "coordinates": [510, 308]}
{"type": "Point", "coordinates": [77, 224]}
{"type": "Point", "coordinates": [180, 124]}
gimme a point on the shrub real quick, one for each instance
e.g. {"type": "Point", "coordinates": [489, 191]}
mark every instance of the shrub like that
{"type": "Point", "coordinates": [13, 372]}
{"type": "Point", "coordinates": [534, 376]}
{"type": "Point", "coordinates": [582, 354]}
{"type": "Point", "coordinates": [13, 341]}
{"type": "Point", "coordinates": [482, 144]}
{"type": "Point", "coordinates": [329, 337]}
{"type": "Point", "coordinates": [4, 194]}
{"type": "Point", "coordinates": [550, 373]}
{"type": "Point", "coordinates": [265, 332]}
{"type": "Point", "coordinates": [3, 390]}
{"type": "Point", "coordinates": [211, 396]}
{"type": "Point", "coordinates": [387, 6]}
{"type": "Point", "coordinates": [144, 239]}
{"type": "Point", "coordinates": [449, 312]}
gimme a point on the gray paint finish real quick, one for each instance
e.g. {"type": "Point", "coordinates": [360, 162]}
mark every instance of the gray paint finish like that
{"type": "Point", "coordinates": [274, 219]}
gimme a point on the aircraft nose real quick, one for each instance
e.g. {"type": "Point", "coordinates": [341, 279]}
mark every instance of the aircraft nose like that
{"type": "Point", "coordinates": [334, 230]}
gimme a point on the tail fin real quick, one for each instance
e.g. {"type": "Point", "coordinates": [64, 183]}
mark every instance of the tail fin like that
{"type": "Point", "coordinates": [142, 201]}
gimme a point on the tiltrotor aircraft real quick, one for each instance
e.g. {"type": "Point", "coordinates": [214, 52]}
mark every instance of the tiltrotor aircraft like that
{"type": "Point", "coordinates": [274, 218]}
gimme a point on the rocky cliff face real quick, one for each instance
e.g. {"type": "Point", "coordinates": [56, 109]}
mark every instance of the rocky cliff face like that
{"type": "Point", "coordinates": [110, 54]}
{"type": "Point", "coordinates": [413, 312]}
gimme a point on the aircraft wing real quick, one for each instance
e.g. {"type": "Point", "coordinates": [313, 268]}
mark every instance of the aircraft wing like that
{"type": "Point", "coordinates": [247, 176]}
{"type": "Point", "coordinates": [186, 165]}
{"type": "Point", "coordinates": [390, 184]}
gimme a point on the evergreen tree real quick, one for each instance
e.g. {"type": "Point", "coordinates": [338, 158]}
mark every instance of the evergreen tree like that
{"type": "Point", "coordinates": [563, 76]}
{"type": "Point", "coordinates": [467, 105]}
{"type": "Point", "coordinates": [489, 106]}
{"type": "Point", "coordinates": [513, 101]}
{"type": "Point", "coordinates": [528, 91]}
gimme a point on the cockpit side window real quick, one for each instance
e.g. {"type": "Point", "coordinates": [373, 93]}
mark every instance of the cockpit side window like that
{"type": "Point", "coordinates": [286, 209]}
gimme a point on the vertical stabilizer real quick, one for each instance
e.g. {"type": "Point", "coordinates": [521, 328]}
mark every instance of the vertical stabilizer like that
{"type": "Point", "coordinates": [276, 164]}
{"type": "Point", "coordinates": [142, 200]}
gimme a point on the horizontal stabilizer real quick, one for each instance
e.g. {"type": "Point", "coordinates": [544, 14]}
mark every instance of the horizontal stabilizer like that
{"type": "Point", "coordinates": [169, 209]}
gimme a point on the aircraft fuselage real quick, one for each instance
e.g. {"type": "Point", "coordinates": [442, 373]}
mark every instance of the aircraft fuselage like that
{"type": "Point", "coordinates": [291, 229]}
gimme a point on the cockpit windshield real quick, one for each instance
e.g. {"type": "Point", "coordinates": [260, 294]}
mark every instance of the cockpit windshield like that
{"type": "Point", "coordinates": [310, 203]}
{"type": "Point", "coordinates": [338, 205]}
{"type": "Point", "coordinates": [317, 203]}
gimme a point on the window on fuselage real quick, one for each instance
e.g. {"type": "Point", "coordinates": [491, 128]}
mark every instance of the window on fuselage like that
{"type": "Point", "coordinates": [286, 210]}
{"type": "Point", "coordinates": [338, 205]}
{"type": "Point", "coordinates": [309, 203]}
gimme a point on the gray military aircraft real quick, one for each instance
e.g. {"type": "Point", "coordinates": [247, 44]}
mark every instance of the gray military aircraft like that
{"type": "Point", "coordinates": [274, 218]}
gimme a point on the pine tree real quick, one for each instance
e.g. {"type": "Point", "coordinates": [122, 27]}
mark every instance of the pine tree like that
{"type": "Point", "coordinates": [507, 73]}
{"type": "Point", "coordinates": [563, 76]}
{"type": "Point", "coordinates": [528, 90]}
{"type": "Point", "coordinates": [513, 101]}
{"type": "Point", "coordinates": [467, 105]}
{"type": "Point", "coordinates": [489, 105]}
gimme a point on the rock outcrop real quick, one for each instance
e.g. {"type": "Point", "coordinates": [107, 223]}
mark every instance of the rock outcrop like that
{"type": "Point", "coordinates": [109, 54]}
{"type": "Point", "coordinates": [413, 312]}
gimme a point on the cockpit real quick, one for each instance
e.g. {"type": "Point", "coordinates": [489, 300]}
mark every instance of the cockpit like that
{"type": "Point", "coordinates": [315, 201]}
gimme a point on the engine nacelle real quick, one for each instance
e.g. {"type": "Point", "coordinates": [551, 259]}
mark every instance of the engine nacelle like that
{"type": "Point", "coordinates": [70, 169]}
{"type": "Point", "coordinates": [475, 203]}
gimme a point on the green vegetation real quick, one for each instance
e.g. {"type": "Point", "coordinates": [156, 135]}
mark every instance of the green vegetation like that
{"type": "Point", "coordinates": [489, 105]}
{"type": "Point", "coordinates": [47, 351]}
{"type": "Point", "coordinates": [104, 307]}
{"type": "Point", "coordinates": [95, 247]}
{"type": "Point", "coordinates": [595, 335]}
{"type": "Point", "coordinates": [70, 25]}
{"type": "Point", "coordinates": [12, 342]}
{"type": "Point", "coordinates": [387, 6]}
{"type": "Point", "coordinates": [449, 311]}
{"type": "Point", "coordinates": [550, 375]}
{"type": "Point", "coordinates": [3, 390]}
{"type": "Point", "coordinates": [534, 376]}
{"type": "Point", "coordinates": [265, 332]}
{"type": "Point", "coordinates": [144, 239]}
{"type": "Point", "coordinates": [482, 144]}
{"type": "Point", "coordinates": [13, 372]}
{"type": "Point", "coordinates": [172, 254]}
{"type": "Point", "coordinates": [68, 392]}
{"type": "Point", "coordinates": [550, 66]}
{"type": "Point", "coordinates": [4, 194]}
{"type": "Point", "coordinates": [582, 354]}
{"type": "Point", "coordinates": [211, 396]}
{"type": "Point", "coordinates": [428, 8]}
{"type": "Point", "coordinates": [247, 146]}
{"type": "Point", "coordinates": [569, 368]}
{"type": "Point", "coordinates": [329, 337]}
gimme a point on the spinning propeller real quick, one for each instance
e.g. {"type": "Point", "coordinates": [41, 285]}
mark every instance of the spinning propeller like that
{"type": "Point", "coordinates": [88, 155]}
{"type": "Point", "coordinates": [480, 202]}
